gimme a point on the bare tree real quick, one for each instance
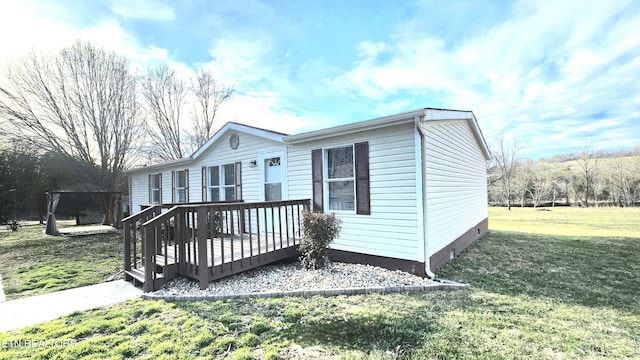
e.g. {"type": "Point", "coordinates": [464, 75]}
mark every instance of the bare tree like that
{"type": "Point", "coordinates": [537, 180]}
{"type": "Point", "coordinates": [622, 182]}
{"type": "Point", "coordinates": [80, 102]}
{"type": "Point", "coordinates": [561, 178]}
{"type": "Point", "coordinates": [583, 183]}
{"type": "Point", "coordinates": [210, 95]}
{"type": "Point", "coordinates": [165, 95]}
{"type": "Point", "coordinates": [506, 158]}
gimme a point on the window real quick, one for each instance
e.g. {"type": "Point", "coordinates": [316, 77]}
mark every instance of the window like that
{"type": "Point", "coordinates": [180, 186]}
{"type": "Point", "coordinates": [340, 177]}
{"type": "Point", "coordinates": [221, 182]}
{"type": "Point", "coordinates": [340, 182]}
{"type": "Point", "coordinates": [155, 188]}
{"type": "Point", "coordinates": [272, 179]}
{"type": "Point", "coordinates": [213, 183]}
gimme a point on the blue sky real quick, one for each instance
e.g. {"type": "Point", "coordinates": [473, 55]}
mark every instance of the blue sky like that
{"type": "Point", "coordinates": [553, 74]}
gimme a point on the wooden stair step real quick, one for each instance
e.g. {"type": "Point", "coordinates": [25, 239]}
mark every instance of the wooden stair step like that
{"type": "Point", "coordinates": [138, 274]}
{"type": "Point", "coordinates": [160, 260]}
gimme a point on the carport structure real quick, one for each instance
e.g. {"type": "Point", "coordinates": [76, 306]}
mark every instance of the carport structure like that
{"type": "Point", "coordinates": [97, 193]}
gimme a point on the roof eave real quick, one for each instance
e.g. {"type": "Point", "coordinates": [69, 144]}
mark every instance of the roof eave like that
{"type": "Point", "coordinates": [356, 127]}
{"type": "Point", "coordinates": [146, 168]}
{"type": "Point", "coordinates": [230, 126]}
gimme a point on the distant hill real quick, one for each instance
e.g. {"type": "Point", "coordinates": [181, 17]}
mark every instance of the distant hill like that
{"type": "Point", "coordinates": [599, 155]}
{"type": "Point", "coordinates": [612, 179]}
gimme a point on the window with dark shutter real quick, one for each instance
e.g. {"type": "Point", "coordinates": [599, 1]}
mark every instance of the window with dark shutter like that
{"type": "Point", "coordinates": [173, 187]}
{"type": "Point", "coordinates": [204, 184]}
{"type": "Point", "coordinates": [186, 185]}
{"type": "Point", "coordinates": [363, 197]}
{"type": "Point", "coordinates": [179, 186]}
{"type": "Point", "coordinates": [238, 181]}
{"type": "Point", "coordinates": [155, 188]}
{"type": "Point", "coordinates": [222, 182]}
{"type": "Point", "coordinates": [316, 174]}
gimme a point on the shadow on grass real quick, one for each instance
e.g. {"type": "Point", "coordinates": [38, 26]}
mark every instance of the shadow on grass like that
{"type": "Point", "coordinates": [589, 271]}
{"type": "Point", "coordinates": [393, 332]}
{"type": "Point", "coordinates": [35, 263]}
{"type": "Point", "coordinates": [388, 324]}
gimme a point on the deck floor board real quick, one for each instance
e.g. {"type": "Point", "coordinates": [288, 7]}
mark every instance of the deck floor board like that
{"type": "Point", "coordinates": [240, 248]}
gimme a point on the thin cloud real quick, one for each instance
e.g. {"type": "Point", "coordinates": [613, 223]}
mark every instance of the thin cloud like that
{"type": "Point", "coordinates": [549, 73]}
{"type": "Point", "coordinates": [142, 9]}
{"type": "Point", "coordinates": [548, 63]}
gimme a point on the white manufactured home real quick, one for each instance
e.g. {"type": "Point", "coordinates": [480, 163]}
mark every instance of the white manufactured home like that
{"type": "Point", "coordinates": [410, 188]}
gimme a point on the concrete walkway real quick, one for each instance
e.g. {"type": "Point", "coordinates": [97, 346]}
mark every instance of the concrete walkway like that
{"type": "Point", "coordinates": [37, 309]}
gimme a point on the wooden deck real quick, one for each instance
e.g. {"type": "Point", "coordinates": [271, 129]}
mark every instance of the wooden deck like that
{"type": "Point", "coordinates": [241, 247]}
{"type": "Point", "coordinates": [179, 240]}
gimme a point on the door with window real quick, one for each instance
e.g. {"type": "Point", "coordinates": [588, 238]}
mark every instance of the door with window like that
{"type": "Point", "coordinates": [273, 177]}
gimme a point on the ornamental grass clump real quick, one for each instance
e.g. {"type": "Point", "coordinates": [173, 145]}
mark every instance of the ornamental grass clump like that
{"type": "Point", "coordinates": [319, 230]}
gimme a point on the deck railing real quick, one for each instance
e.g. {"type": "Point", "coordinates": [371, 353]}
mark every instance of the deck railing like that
{"type": "Point", "coordinates": [210, 241]}
{"type": "Point", "coordinates": [133, 249]}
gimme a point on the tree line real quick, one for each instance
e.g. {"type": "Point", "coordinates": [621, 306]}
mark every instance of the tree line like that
{"type": "Point", "coordinates": [584, 178]}
{"type": "Point", "coordinates": [87, 105]}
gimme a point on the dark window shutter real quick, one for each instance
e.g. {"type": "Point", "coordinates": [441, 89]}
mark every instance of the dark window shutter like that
{"type": "Point", "coordinates": [186, 185]}
{"type": "Point", "coordinates": [150, 187]}
{"type": "Point", "coordinates": [316, 174]}
{"type": "Point", "coordinates": [160, 197]}
{"type": "Point", "coordinates": [173, 187]}
{"type": "Point", "coordinates": [363, 197]}
{"type": "Point", "coordinates": [238, 180]}
{"type": "Point", "coordinates": [204, 184]}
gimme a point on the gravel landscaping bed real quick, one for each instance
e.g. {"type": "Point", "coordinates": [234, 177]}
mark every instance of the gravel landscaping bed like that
{"type": "Point", "coordinates": [292, 277]}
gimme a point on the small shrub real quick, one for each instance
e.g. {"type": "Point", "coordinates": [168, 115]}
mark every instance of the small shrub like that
{"type": "Point", "coordinates": [319, 230]}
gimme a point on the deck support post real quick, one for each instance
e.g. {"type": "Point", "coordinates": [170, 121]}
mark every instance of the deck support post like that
{"type": "Point", "coordinates": [127, 245]}
{"type": "Point", "coordinates": [203, 263]}
{"type": "Point", "coordinates": [149, 266]}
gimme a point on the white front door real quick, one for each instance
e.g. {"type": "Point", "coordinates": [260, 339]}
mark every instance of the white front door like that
{"type": "Point", "coordinates": [273, 176]}
{"type": "Point", "coordinates": [273, 187]}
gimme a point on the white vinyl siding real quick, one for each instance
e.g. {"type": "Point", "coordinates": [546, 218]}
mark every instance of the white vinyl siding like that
{"type": "Point", "coordinates": [391, 229]}
{"type": "Point", "coordinates": [218, 153]}
{"type": "Point", "coordinates": [455, 182]}
{"type": "Point", "coordinates": [138, 191]}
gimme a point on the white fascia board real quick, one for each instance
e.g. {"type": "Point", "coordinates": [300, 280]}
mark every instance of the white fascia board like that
{"type": "Point", "coordinates": [477, 132]}
{"type": "Point", "coordinates": [359, 126]}
{"type": "Point", "coordinates": [265, 134]}
{"type": "Point", "coordinates": [147, 168]}
{"type": "Point", "coordinates": [442, 114]}
{"type": "Point", "coordinates": [241, 128]}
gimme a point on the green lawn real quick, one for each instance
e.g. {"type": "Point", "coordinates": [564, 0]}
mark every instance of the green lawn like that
{"type": "Point", "coordinates": [537, 292]}
{"type": "Point", "coordinates": [32, 263]}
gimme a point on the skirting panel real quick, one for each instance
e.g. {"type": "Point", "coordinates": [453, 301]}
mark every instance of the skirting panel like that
{"type": "Point", "coordinates": [458, 245]}
{"type": "Point", "coordinates": [412, 267]}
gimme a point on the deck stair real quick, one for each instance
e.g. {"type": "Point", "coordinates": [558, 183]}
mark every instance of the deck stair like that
{"type": "Point", "coordinates": [165, 271]}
